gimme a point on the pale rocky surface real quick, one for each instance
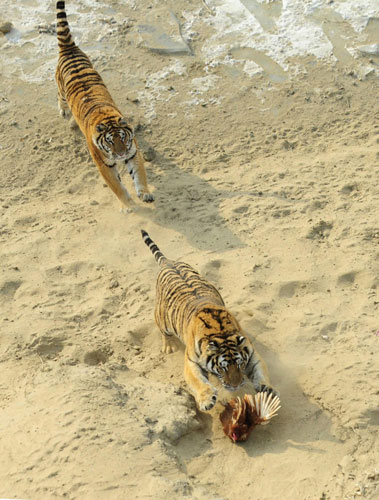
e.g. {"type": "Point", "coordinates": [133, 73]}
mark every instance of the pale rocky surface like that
{"type": "Point", "coordinates": [264, 162]}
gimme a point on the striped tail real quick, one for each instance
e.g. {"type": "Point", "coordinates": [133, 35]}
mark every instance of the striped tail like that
{"type": "Point", "coordinates": [65, 39]}
{"type": "Point", "coordinates": [159, 257]}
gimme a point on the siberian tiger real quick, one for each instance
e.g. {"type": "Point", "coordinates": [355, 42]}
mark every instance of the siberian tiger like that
{"type": "Point", "coordinates": [82, 93]}
{"type": "Point", "coordinates": [191, 309]}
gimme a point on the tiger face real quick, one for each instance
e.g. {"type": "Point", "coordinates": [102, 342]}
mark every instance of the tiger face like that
{"type": "Point", "coordinates": [227, 358]}
{"type": "Point", "coordinates": [115, 140]}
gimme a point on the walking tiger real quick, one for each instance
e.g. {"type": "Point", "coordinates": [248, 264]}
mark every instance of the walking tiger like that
{"type": "Point", "coordinates": [82, 93]}
{"type": "Point", "coordinates": [191, 309]}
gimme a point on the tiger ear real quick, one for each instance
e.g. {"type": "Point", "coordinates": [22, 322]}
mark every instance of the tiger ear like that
{"type": "Point", "coordinates": [100, 127]}
{"type": "Point", "coordinates": [122, 122]}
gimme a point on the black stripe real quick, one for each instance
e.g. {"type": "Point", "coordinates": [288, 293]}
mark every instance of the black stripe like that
{"type": "Point", "coordinates": [64, 34]}
{"type": "Point", "coordinates": [75, 52]}
{"type": "Point", "coordinates": [69, 51]}
{"type": "Point", "coordinates": [83, 87]}
{"type": "Point", "coordinates": [81, 80]}
{"type": "Point", "coordinates": [131, 158]}
{"type": "Point", "coordinates": [154, 248]}
{"type": "Point", "coordinates": [98, 104]}
{"type": "Point", "coordinates": [89, 72]}
{"type": "Point", "coordinates": [113, 121]}
{"type": "Point", "coordinates": [71, 64]}
{"type": "Point", "coordinates": [67, 65]}
{"type": "Point", "coordinates": [210, 357]}
{"type": "Point", "coordinates": [61, 14]}
{"type": "Point", "coordinates": [60, 5]}
{"type": "Point", "coordinates": [75, 72]}
{"type": "Point", "coordinates": [89, 83]}
{"type": "Point", "coordinates": [67, 46]}
{"type": "Point", "coordinates": [207, 325]}
{"type": "Point", "coordinates": [73, 57]}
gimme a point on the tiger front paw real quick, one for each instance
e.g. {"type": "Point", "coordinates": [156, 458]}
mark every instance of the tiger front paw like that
{"type": "Point", "coordinates": [167, 346]}
{"type": "Point", "coordinates": [206, 401]}
{"type": "Point", "coordinates": [73, 124]}
{"type": "Point", "coordinates": [267, 388]}
{"type": "Point", "coordinates": [126, 210]}
{"type": "Point", "coordinates": [64, 112]}
{"type": "Point", "coordinates": [146, 197]}
{"type": "Point", "coordinates": [127, 205]}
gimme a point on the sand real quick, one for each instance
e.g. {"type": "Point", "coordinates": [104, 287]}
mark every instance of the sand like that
{"type": "Point", "coordinates": [265, 171]}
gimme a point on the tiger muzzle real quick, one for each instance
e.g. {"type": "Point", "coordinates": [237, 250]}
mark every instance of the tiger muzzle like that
{"type": "Point", "coordinates": [233, 378]}
{"type": "Point", "coordinates": [119, 148]}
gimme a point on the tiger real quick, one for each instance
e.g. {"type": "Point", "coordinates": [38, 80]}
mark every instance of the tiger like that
{"type": "Point", "coordinates": [84, 98]}
{"type": "Point", "coordinates": [191, 309]}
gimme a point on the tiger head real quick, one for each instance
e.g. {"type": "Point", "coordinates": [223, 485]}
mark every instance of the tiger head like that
{"type": "Point", "coordinates": [115, 139]}
{"type": "Point", "coordinates": [226, 358]}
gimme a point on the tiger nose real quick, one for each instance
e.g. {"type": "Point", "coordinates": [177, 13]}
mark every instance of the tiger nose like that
{"type": "Point", "coordinates": [236, 383]}
{"type": "Point", "coordinates": [118, 146]}
{"type": "Point", "coordinates": [236, 377]}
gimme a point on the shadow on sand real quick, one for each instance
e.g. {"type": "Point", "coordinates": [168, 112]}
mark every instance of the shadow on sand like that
{"type": "Point", "coordinates": [189, 205]}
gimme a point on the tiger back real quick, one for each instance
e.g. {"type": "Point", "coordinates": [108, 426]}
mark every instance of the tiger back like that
{"type": "Point", "coordinates": [182, 293]}
{"type": "Point", "coordinates": [83, 94]}
{"type": "Point", "coordinates": [191, 309]}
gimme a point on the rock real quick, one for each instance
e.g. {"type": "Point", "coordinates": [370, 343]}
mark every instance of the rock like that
{"type": "Point", "coordinates": [149, 154]}
{"type": "Point", "coordinates": [288, 145]}
{"type": "Point", "coordinates": [320, 230]}
{"type": "Point", "coordinates": [49, 29]}
{"type": "Point", "coordinates": [347, 464]}
{"type": "Point", "coordinates": [5, 27]}
{"type": "Point", "coordinates": [369, 50]}
{"type": "Point", "coordinates": [114, 284]}
{"type": "Point", "coordinates": [133, 98]}
{"type": "Point", "coordinates": [164, 36]}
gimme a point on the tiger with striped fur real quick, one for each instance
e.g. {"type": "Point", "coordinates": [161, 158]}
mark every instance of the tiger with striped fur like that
{"type": "Point", "coordinates": [83, 94]}
{"type": "Point", "coordinates": [191, 309]}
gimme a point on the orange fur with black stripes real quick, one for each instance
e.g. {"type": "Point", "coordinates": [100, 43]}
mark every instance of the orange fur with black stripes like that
{"type": "Point", "coordinates": [191, 309]}
{"type": "Point", "coordinates": [82, 93]}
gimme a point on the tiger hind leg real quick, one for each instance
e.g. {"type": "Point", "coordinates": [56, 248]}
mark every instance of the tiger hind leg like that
{"type": "Point", "coordinates": [137, 172]}
{"type": "Point", "coordinates": [168, 345]}
{"type": "Point", "coordinates": [63, 108]}
{"type": "Point", "coordinates": [65, 111]}
{"type": "Point", "coordinates": [167, 334]}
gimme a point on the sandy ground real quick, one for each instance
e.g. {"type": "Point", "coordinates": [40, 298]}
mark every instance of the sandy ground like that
{"type": "Point", "coordinates": [268, 185]}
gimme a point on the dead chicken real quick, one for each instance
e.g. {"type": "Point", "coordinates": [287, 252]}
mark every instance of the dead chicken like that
{"type": "Point", "coordinates": [241, 415]}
